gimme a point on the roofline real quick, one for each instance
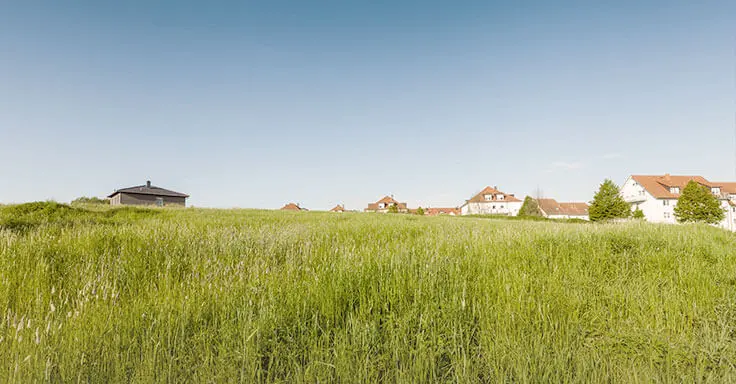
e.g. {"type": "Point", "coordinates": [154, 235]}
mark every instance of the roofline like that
{"type": "Point", "coordinates": [184, 195]}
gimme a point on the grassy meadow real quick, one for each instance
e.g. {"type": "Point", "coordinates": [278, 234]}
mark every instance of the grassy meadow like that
{"type": "Point", "coordinates": [196, 295]}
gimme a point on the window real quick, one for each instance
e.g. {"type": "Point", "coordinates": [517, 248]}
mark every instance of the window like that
{"type": "Point", "coordinates": [666, 215]}
{"type": "Point", "coordinates": [488, 197]}
{"type": "Point", "coordinates": [716, 190]}
{"type": "Point", "coordinates": [675, 190]}
{"type": "Point", "coordinates": [494, 207]}
{"type": "Point", "coordinates": [500, 197]}
{"type": "Point", "coordinates": [665, 202]}
{"type": "Point", "coordinates": [159, 201]}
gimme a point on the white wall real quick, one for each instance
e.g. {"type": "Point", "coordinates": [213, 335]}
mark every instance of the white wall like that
{"type": "Point", "coordinates": [585, 217]}
{"type": "Point", "coordinates": [655, 210]}
{"type": "Point", "coordinates": [510, 208]}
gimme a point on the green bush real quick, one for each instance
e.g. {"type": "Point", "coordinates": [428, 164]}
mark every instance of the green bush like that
{"type": "Point", "coordinates": [638, 214]}
{"type": "Point", "coordinates": [90, 201]}
{"type": "Point", "coordinates": [22, 217]}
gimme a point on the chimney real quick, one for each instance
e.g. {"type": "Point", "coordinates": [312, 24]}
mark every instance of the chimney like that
{"type": "Point", "coordinates": [495, 187]}
{"type": "Point", "coordinates": [148, 183]}
{"type": "Point", "coordinates": [667, 176]}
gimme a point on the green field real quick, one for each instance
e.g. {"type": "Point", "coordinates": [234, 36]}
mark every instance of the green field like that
{"type": "Point", "coordinates": [197, 295]}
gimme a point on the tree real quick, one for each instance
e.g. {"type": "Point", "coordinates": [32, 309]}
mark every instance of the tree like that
{"type": "Point", "coordinates": [608, 204]}
{"type": "Point", "coordinates": [698, 204]}
{"type": "Point", "coordinates": [393, 208]}
{"type": "Point", "coordinates": [530, 207]}
{"type": "Point", "coordinates": [420, 211]}
{"type": "Point", "coordinates": [638, 214]}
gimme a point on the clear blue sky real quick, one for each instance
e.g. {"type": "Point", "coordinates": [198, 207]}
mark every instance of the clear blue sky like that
{"type": "Point", "coordinates": [255, 104]}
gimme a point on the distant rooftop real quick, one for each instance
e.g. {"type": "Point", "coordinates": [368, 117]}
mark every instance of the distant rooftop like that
{"type": "Point", "coordinates": [148, 189]}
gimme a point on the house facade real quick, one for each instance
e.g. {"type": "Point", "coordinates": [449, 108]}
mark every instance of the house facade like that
{"type": "Point", "coordinates": [384, 205]}
{"type": "Point", "coordinates": [491, 201]}
{"type": "Point", "coordinates": [147, 195]}
{"type": "Point", "coordinates": [552, 209]}
{"type": "Point", "coordinates": [656, 196]}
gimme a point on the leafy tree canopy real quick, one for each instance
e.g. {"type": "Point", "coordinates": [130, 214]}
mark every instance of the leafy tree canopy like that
{"type": "Point", "coordinates": [698, 205]}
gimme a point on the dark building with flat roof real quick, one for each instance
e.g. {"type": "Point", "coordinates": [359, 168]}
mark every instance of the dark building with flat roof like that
{"type": "Point", "coordinates": [147, 195]}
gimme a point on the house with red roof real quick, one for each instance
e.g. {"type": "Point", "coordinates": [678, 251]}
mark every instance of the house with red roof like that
{"type": "Point", "coordinates": [384, 204]}
{"type": "Point", "coordinates": [491, 201]}
{"type": "Point", "coordinates": [442, 211]}
{"type": "Point", "coordinates": [338, 208]}
{"type": "Point", "coordinates": [552, 209]}
{"type": "Point", "coordinates": [293, 207]}
{"type": "Point", "coordinates": [656, 196]}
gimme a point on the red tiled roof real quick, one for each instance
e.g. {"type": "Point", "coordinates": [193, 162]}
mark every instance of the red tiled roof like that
{"type": "Point", "coordinates": [659, 185]}
{"type": "Point", "coordinates": [338, 208]}
{"type": "Point", "coordinates": [480, 197]}
{"type": "Point", "coordinates": [442, 211]}
{"type": "Point", "coordinates": [552, 207]}
{"type": "Point", "coordinates": [385, 200]}
{"type": "Point", "coordinates": [292, 207]}
{"type": "Point", "coordinates": [727, 187]}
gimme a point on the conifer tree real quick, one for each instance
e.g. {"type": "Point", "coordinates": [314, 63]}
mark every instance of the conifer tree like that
{"type": "Point", "coordinates": [608, 204]}
{"type": "Point", "coordinates": [530, 207]}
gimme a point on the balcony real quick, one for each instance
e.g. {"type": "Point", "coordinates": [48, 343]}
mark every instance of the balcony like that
{"type": "Point", "coordinates": [635, 198]}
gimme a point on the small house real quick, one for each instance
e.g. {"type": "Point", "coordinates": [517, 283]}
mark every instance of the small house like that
{"type": "Point", "coordinates": [385, 205]}
{"type": "Point", "coordinates": [147, 195]}
{"type": "Point", "coordinates": [491, 201]}
{"type": "Point", "coordinates": [293, 207]}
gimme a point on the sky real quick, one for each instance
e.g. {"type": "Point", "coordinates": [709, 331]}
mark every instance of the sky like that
{"type": "Point", "coordinates": [254, 104]}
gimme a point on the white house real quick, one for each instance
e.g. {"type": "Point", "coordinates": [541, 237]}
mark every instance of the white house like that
{"type": "Point", "coordinates": [656, 196]}
{"type": "Point", "coordinates": [491, 201]}
{"type": "Point", "coordinates": [552, 209]}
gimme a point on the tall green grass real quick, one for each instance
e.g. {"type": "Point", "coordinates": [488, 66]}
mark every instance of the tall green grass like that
{"type": "Point", "coordinates": [255, 296]}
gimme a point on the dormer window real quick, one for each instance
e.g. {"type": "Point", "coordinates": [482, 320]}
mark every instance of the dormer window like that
{"type": "Point", "coordinates": [381, 205]}
{"type": "Point", "coordinates": [499, 197]}
{"type": "Point", "coordinates": [675, 190]}
{"type": "Point", "coordinates": [488, 197]}
{"type": "Point", "coordinates": [716, 190]}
